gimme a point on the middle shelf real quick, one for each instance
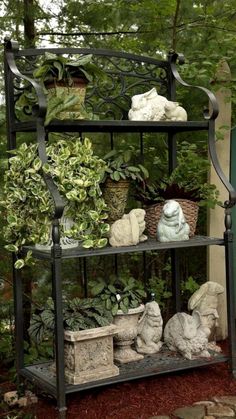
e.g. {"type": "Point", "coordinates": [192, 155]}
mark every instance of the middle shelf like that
{"type": "Point", "coordinates": [150, 244]}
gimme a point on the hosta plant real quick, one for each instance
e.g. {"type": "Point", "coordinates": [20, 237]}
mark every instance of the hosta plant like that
{"type": "Point", "coordinates": [118, 293]}
{"type": "Point", "coordinates": [28, 205]}
{"type": "Point", "coordinates": [78, 314]}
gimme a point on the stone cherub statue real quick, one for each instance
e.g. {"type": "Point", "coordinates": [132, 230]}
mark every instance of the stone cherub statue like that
{"type": "Point", "coordinates": [205, 302]}
{"type": "Point", "coordinates": [129, 229]}
{"type": "Point", "coordinates": [172, 225]}
{"type": "Point", "coordinates": [150, 106]}
{"type": "Point", "coordinates": [150, 330]}
{"type": "Point", "coordinates": [185, 334]}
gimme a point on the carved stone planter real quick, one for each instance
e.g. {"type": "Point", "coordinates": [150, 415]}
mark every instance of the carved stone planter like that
{"type": "Point", "coordinates": [127, 324]}
{"type": "Point", "coordinates": [89, 355]}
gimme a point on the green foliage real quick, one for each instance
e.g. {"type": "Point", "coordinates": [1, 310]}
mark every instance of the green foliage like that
{"type": "Point", "coordinates": [121, 293]}
{"type": "Point", "coordinates": [187, 181]}
{"type": "Point", "coordinates": [27, 204]}
{"type": "Point", "coordinates": [57, 67]}
{"type": "Point", "coordinates": [78, 314]}
{"type": "Point", "coordinates": [120, 166]}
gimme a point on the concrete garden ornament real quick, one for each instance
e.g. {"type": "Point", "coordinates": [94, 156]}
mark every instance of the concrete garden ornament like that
{"type": "Point", "coordinates": [172, 225]}
{"type": "Point", "coordinates": [205, 302]}
{"type": "Point", "coordinates": [129, 229]}
{"type": "Point", "coordinates": [185, 334]}
{"type": "Point", "coordinates": [150, 330]}
{"type": "Point", "coordinates": [150, 106]}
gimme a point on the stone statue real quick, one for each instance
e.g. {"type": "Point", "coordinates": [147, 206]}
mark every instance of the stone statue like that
{"type": "Point", "coordinates": [150, 106]}
{"type": "Point", "coordinates": [129, 229]}
{"type": "Point", "coordinates": [175, 112]}
{"type": "Point", "coordinates": [172, 225]}
{"type": "Point", "coordinates": [150, 330]}
{"type": "Point", "coordinates": [205, 302]}
{"type": "Point", "coordinates": [185, 334]}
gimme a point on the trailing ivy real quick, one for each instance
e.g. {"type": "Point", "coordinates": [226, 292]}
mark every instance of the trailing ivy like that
{"type": "Point", "coordinates": [27, 203]}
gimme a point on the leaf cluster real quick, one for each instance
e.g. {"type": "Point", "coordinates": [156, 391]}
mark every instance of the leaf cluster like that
{"type": "Point", "coordinates": [187, 181]}
{"type": "Point", "coordinates": [119, 293]}
{"type": "Point", "coordinates": [120, 166]}
{"type": "Point", "coordinates": [28, 205]}
{"type": "Point", "coordinates": [60, 68]}
{"type": "Point", "coordinates": [78, 314]}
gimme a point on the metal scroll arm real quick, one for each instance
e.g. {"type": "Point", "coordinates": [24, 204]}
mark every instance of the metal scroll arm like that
{"type": "Point", "coordinates": [211, 117]}
{"type": "Point", "coordinates": [172, 58]}
{"type": "Point", "coordinates": [12, 47]}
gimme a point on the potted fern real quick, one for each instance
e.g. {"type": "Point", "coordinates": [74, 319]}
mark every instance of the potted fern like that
{"type": "Point", "coordinates": [123, 296]}
{"type": "Point", "coordinates": [88, 337]}
{"type": "Point", "coordinates": [27, 203]}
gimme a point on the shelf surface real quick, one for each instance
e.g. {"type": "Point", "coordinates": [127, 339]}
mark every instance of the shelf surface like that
{"type": "Point", "coordinates": [117, 126]}
{"type": "Point", "coordinates": [161, 363]}
{"type": "Point", "coordinates": [150, 244]}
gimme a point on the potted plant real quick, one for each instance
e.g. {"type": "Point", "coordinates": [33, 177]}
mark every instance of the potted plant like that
{"type": "Point", "coordinates": [187, 184]}
{"type": "Point", "coordinates": [123, 296]}
{"type": "Point", "coordinates": [119, 172]}
{"type": "Point", "coordinates": [28, 205]}
{"type": "Point", "coordinates": [88, 337]}
{"type": "Point", "coordinates": [65, 81]}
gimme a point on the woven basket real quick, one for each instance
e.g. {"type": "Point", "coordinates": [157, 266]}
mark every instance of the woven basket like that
{"type": "Point", "coordinates": [153, 215]}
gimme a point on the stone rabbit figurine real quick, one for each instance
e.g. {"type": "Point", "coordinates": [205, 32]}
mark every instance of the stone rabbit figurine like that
{"type": "Point", "coordinates": [150, 330]}
{"type": "Point", "coordinates": [172, 225]}
{"type": "Point", "coordinates": [150, 106]}
{"type": "Point", "coordinates": [185, 334]}
{"type": "Point", "coordinates": [205, 302]}
{"type": "Point", "coordinates": [129, 229]}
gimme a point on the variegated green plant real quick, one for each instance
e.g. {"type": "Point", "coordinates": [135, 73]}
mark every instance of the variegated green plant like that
{"type": "Point", "coordinates": [28, 205]}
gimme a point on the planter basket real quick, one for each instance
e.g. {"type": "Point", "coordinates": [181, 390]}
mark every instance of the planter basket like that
{"type": "Point", "coordinates": [115, 195]}
{"type": "Point", "coordinates": [153, 214]}
{"type": "Point", "coordinates": [78, 88]}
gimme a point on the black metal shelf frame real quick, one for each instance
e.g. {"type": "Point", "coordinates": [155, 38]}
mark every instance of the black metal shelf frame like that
{"type": "Point", "coordinates": [142, 72]}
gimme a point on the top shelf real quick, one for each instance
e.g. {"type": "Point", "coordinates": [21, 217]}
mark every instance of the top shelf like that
{"type": "Point", "coordinates": [117, 126]}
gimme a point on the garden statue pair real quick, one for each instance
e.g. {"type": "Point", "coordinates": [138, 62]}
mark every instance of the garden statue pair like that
{"type": "Point", "coordinates": [150, 106]}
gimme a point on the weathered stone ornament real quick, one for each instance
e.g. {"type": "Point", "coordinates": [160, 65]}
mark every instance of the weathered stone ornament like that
{"type": "Point", "coordinates": [185, 334]}
{"type": "Point", "coordinates": [172, 225]}
{"type": "Point", "coordinates": [205, 302]}
{"type": "Point", "coordinates": [150, 106]}
{"type": "Point", "coordinates": [129, 229]}
{"type": "Point", "coordinates": [89, 355]}
{"type": "Point", "coordinates": [150, 330]}
{"type": "Point", "coordinates": [127, 324]}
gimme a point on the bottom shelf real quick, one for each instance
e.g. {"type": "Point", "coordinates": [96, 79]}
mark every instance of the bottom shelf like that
{"type": "Point", "coordinates": [161, 363]}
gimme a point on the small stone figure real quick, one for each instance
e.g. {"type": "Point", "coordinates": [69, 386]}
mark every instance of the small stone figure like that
{"type": "Point", "coordinates": [129, 229]}
{"type": "Point", "coordinates": [205, 301]}
{"type": "Point", "coordinates": [150, 106]}
{"type": "Point", "coordinates": [172, 225]}
{"type": "Point", "coordinates": [150, 330]}
{"type": "Point", "coordinates": [185, 334]}
{"type": "Point", "coordinates": [175, 112]}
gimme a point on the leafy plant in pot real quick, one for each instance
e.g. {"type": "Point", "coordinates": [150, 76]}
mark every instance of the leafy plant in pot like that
{"type": "Point", "coordinates": [65, 80]}
{"type": "Point", "coordinates": [124, 297]}
{"type": "Point", "coordinates": [28, 205]}
{"type": "Point", "coordinates": [120, 171]}
{"type": "Point", "coordinates": [88, 338]}
{"type": "Point", "coordinates": [187, 184]}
